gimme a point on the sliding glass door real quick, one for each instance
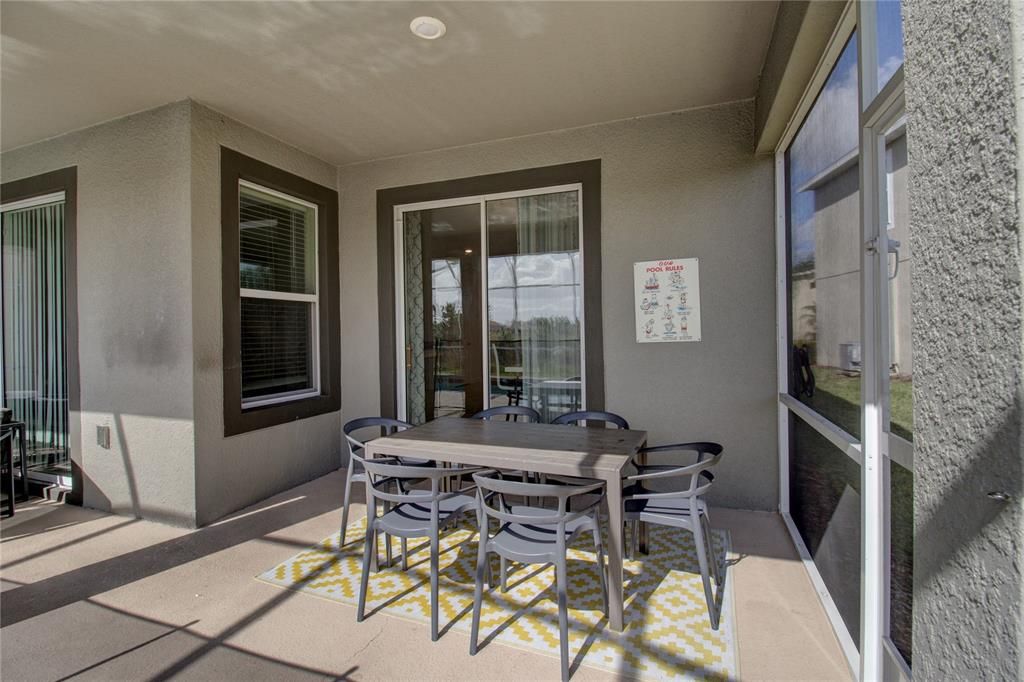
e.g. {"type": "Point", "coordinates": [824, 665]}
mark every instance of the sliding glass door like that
{"type": "Point", "coordinates": [34, 353]}
{"type": "Point", "coordinates": [490, 304]}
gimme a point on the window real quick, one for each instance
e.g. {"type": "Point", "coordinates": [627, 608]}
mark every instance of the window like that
{"type": "Point", "coordinates": [278, 291]}
{"type": "Point", "coordinates": [280, 296]}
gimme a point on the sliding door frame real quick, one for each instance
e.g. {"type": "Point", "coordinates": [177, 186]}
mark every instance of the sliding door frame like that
{"type": "Point", "coordinates": [63, 181]}
{"type": "Point", "coordinates": [586, 174]}
{"type": "Point", "coordinates": [399, 267]}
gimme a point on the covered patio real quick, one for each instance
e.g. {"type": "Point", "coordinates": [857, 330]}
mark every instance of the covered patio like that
{"type": "Point", "coordinates": [774, 246]}
{"type": "Point", "coordinates": [113, 598]}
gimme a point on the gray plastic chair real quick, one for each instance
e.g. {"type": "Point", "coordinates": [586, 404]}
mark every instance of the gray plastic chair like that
{"type": "Point", "coordinates": [515, 412]}
{"type": "Point", "coordinates": [683, 507]}
{"type": "Point", "coordinates": [385, 426]}
{"type": "Point", "coordinates": [533, 535]}
{"type": "Point", "coordinates": [574, 418]}
{"type": "Point", "coordinates": [413, 513]}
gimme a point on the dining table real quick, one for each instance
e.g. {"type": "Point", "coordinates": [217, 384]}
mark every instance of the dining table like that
{"type": "Point", "coordinates": [555, 450]}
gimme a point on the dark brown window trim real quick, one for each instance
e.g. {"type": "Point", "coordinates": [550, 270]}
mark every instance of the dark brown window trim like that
{"type": "Point", "coordinates": [63, 180]}
{"type": "Point", "coordinates": [587, 173]}
{"type": "Point", "coordinates": [235, 167]}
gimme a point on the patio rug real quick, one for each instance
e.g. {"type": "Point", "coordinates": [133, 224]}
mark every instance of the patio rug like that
{"type": "Point", "coordinates": [667, 633]}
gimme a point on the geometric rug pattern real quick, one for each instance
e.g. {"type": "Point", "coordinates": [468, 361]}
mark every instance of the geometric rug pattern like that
{"type": "Point", "coordinates": [667, 635]}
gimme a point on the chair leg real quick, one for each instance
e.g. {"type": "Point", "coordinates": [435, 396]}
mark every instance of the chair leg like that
{"type": "Point", "coordinates": [702, 561]}
{"type": "Point", "coordinates": [371, 548]}
{"type": "Point", "coordinates": [434, 551]}
{"type": "Point", "coordinates": [561, 585]}
{"type": "Point", "coordinates": [716, 569]}
{"type": "Point", "coordinates": [634, 539]}
{"type": "Point", "coordinates": [482, 564]}
{"type": "Point", "coordinates": [405, 554]}
{"type": "Point", "coordinates": [503, 574]}
{"type": "Point", "coordinates": [344, 506]}
{"type": "Point", "coordinates": [601, 567]}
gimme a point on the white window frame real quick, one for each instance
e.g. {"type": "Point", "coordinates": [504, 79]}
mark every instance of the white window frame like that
{"type": "Point", "coordinates": [312, 299]}
{"type": "Point", "coordinates": [877, 657]}
{"type": "Point", "coordinates": [481, 199]}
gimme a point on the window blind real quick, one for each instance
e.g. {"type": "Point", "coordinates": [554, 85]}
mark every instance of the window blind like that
{"type": "Point", "coordinates": [277, 278]}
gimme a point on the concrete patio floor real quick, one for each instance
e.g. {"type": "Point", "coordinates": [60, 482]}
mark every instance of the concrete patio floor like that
{"type": "Point", "coordinates": [95, 596]}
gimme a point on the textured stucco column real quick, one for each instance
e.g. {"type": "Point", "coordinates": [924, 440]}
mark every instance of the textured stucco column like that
{"type": "Point", "coordinates": [963, 71]}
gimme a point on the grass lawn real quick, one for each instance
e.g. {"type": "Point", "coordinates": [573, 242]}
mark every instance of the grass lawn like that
{"type": "Point", "coordinates": [837, 396]}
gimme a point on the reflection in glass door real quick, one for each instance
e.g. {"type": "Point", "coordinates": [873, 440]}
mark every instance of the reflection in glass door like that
{"type": "Point", "coordinates": [824, 282]}
{"type": "Point", "coordinates": [34, 362]}
{"type": "Point", "coordinates": [443, 375]}
{"type": "Point", "coordinates": [535, 302]}
{"type": "Point", "coordinates": [516, 341]}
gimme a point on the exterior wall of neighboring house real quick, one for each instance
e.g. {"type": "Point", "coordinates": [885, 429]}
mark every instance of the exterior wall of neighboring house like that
{"type": "Point", "coordinates": [232, 472]}
{"type": "Point", "coordinates": [677, 185]}
{"type": "Point", "coordinates": [134, 308]}
{"type": "Point", "coordinates": [965, 110]}
{"type": "Point", "coordinates": [826, 300]}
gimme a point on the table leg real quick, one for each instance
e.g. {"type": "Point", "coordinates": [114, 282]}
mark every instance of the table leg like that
{"type": "Point", "coordinates": [8, 481]}
{"type": "Point", "coordinates": [641, 459]}
{"type": "Point", "coordinates": [615, 549]}
{"type": "Point", "coordinates": [24, 466]}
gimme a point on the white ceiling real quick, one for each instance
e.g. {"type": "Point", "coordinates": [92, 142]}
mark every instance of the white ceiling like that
{"type": "Point", "coordinates": [348, 81]}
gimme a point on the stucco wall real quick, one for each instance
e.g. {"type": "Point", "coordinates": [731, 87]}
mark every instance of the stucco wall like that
{"type": "Point", "coordinates": [135, 330]}
{"type": "Point", "coordinates": [676, 185]}
{"type": "Point", "coordinates": [964, 89]}
{"type": "Point", "coordinates": [234, 472]}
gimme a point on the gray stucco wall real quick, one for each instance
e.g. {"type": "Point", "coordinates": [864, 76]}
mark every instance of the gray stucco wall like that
{"type": "Point", "coordinates": [135, 331]}
{"type": "Point", "coordinates": [234, 472]}
{"type": "Point", "coordinates": [964, 89]}
{"type": "Point", "coordinates": [676, 185]}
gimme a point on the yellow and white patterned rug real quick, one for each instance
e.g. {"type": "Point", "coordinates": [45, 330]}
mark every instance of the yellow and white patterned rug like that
{"type": "Point", "coordinates": [667, 636]}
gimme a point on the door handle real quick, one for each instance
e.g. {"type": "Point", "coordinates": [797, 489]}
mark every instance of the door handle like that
{"type": "Point", "coordinates": [408, 356]}
{"type": "Point", "coordinates": [894, 247]}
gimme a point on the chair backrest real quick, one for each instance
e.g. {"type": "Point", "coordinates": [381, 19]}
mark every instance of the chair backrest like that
{"type": "Point", "coordinates": [382, 472]}
{"type": "Point", "coordinates": [385, 427]}
{"type": "Point", "coordinates": [574, 418]}
{"type": "Point", "coordinates": [528, 413]}
{"type": "Point", "coordinates": [491, 504]}
{"type": "Point", "coordinates": [496, 365]}
{"type": "Point", "coordinates": [698, 475]}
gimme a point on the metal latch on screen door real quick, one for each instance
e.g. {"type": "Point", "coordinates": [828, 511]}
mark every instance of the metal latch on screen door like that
{"type": "Point", "coordinates": [893, 246]}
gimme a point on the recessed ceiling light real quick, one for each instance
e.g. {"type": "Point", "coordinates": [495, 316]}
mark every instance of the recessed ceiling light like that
{"type": "Point", "coordinates": [428, 28]}
{"type": "Point", "coordinates": [469, 251]}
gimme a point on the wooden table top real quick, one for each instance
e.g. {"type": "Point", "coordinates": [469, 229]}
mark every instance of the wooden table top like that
{"type": "Point", "coordinates": [545, 448]}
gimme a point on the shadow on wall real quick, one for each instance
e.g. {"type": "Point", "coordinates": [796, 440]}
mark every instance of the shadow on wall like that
{"type": "Point", "coordinates": [968, 546]}
{"type": "Point", "coordinates": [135, 506]}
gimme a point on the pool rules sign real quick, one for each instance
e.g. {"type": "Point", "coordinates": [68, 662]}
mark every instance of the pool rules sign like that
{"type": "Point", "coordinates": [667, 294]}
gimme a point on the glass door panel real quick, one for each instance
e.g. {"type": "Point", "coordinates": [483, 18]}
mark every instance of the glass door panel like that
{"type": "Point", "coordinates": [34, 355]}
{"type": "Point", "coordinates": [825, 502]}
{"type": "Point", "coordinates": [535, 302]}
{"type": "Point", "coordinates": [824, 252]}
{"type": "Point", "coordinates": [442, 312]}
